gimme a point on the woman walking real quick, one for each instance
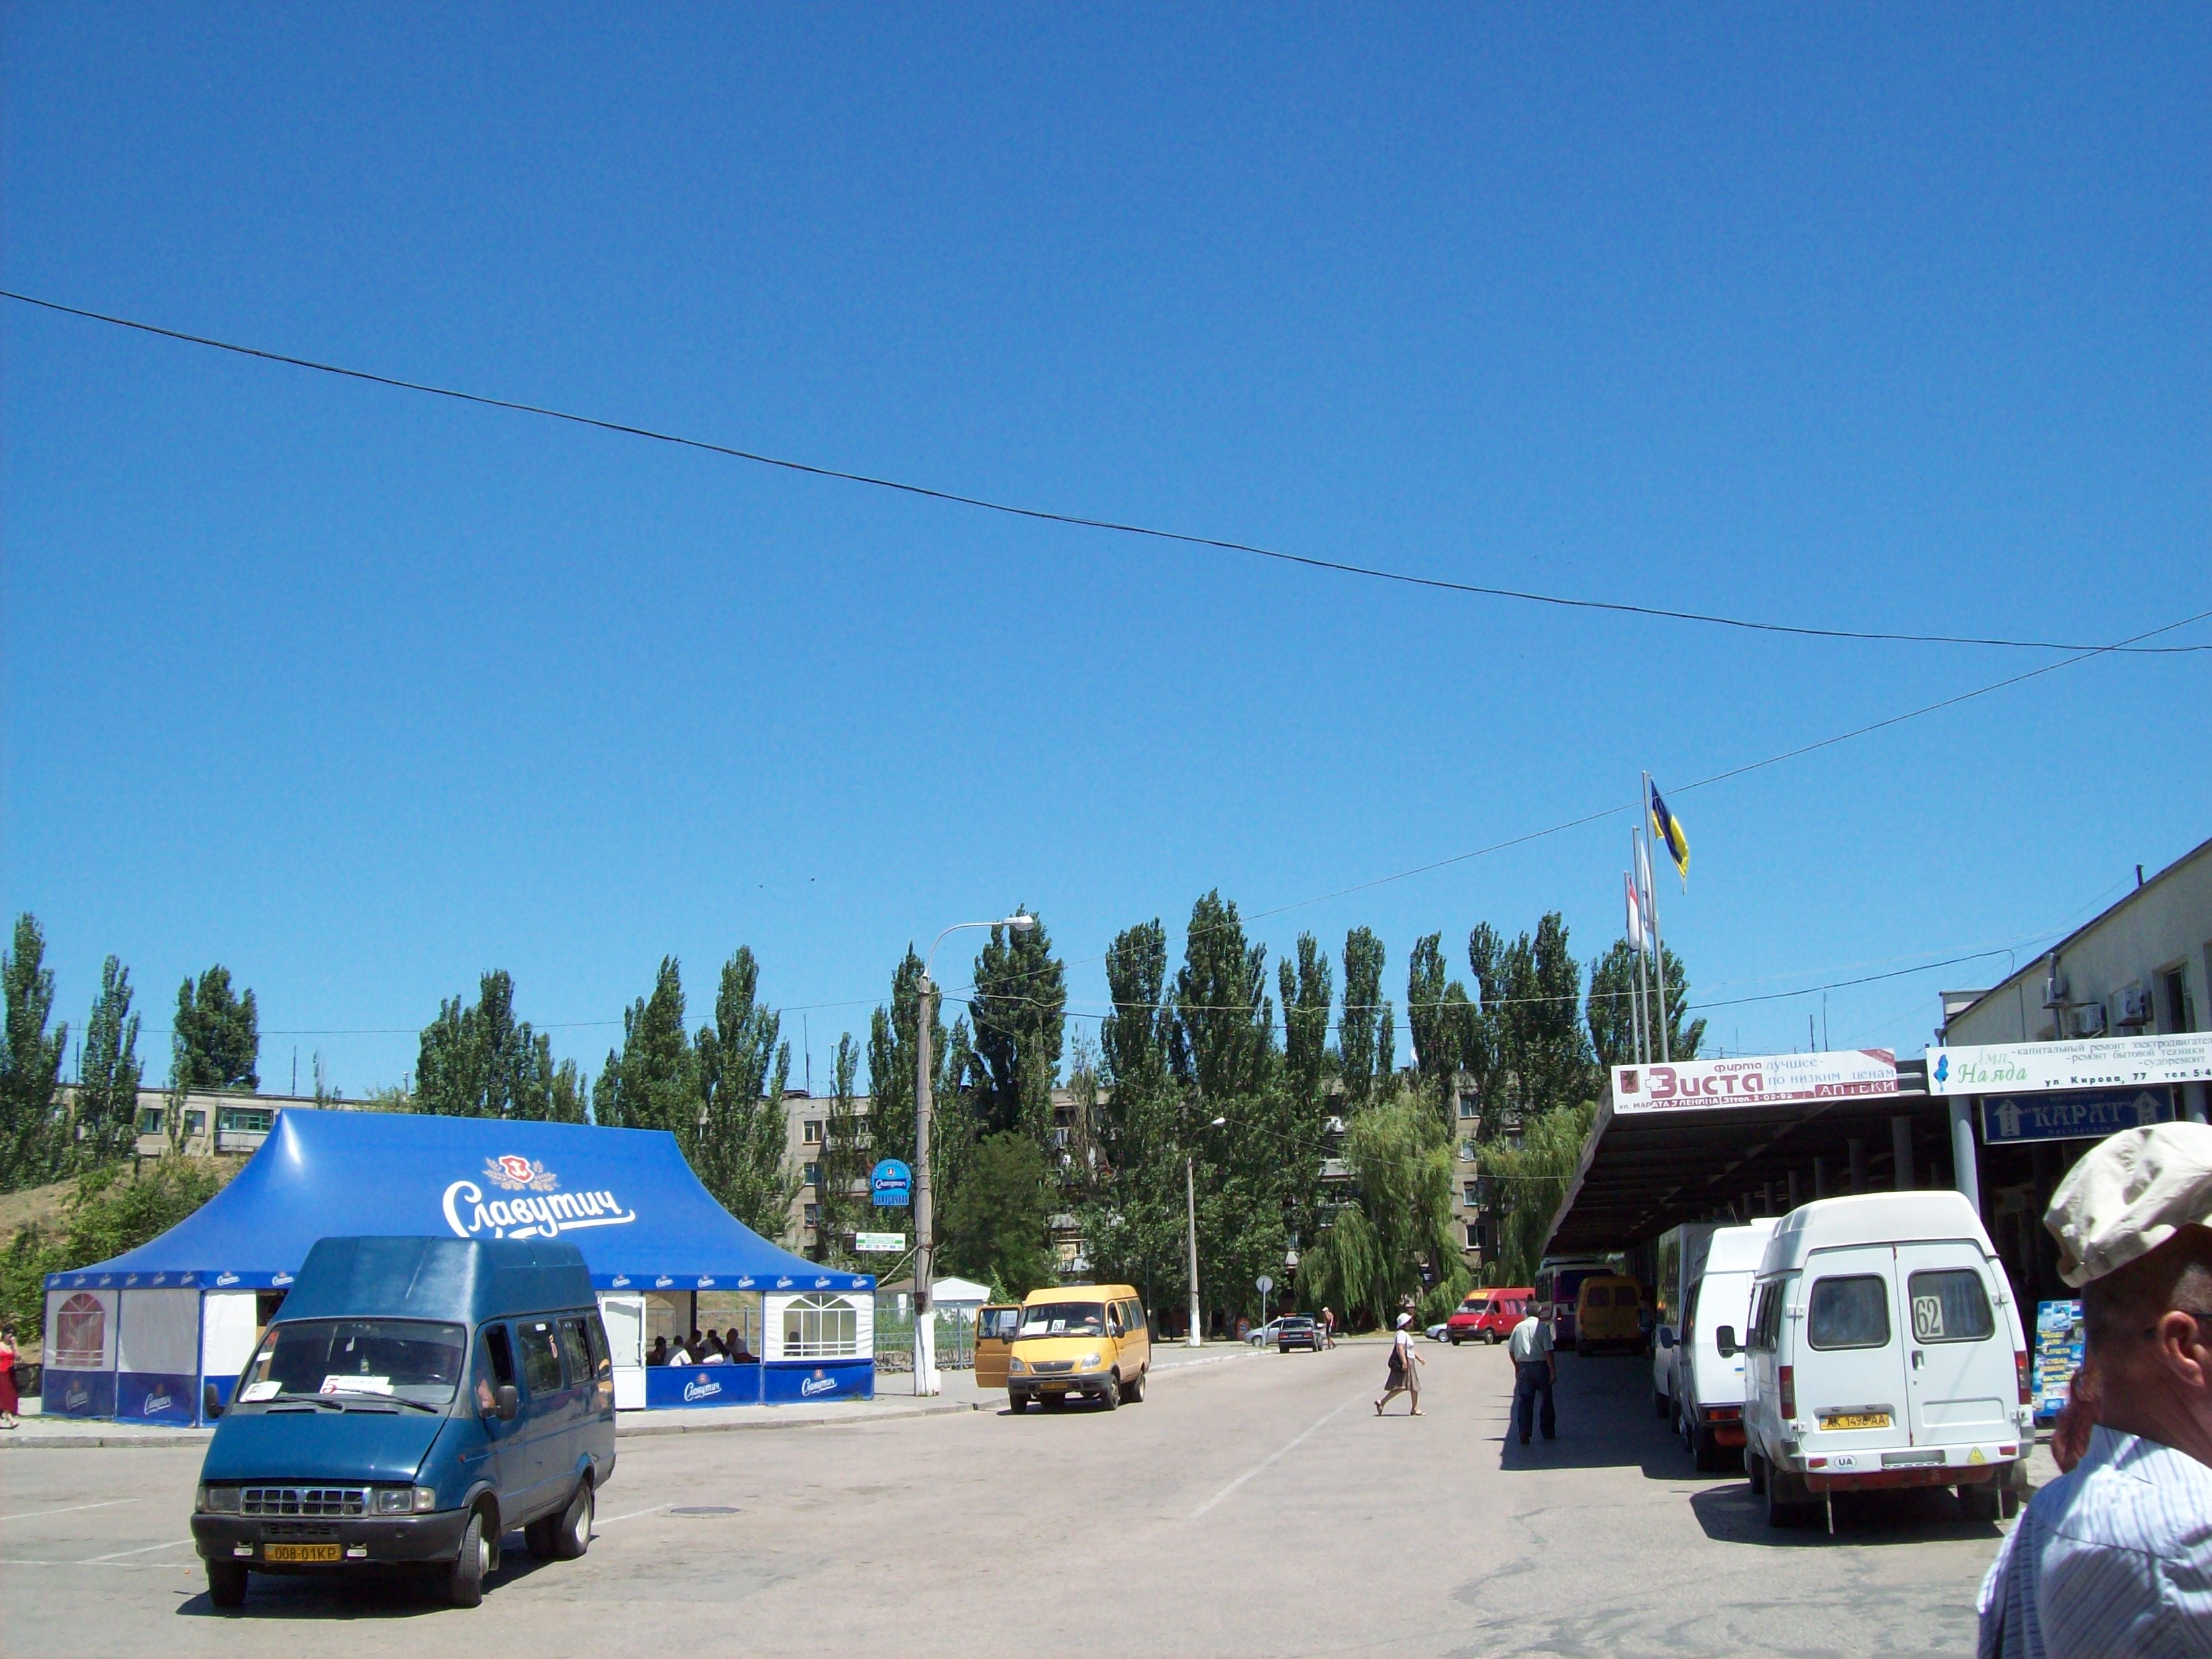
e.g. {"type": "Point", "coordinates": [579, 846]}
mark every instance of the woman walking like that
{"type": "Point", "coordinates": [8, 1401]}
{"type": "Point", "coordinates": [1404, 1369]}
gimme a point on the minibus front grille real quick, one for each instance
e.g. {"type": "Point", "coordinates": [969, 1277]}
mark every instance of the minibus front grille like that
{"type": "Point", "coordinates": [1053, 1367]}
{"type": "Point", "coordinates": [329, 1501]}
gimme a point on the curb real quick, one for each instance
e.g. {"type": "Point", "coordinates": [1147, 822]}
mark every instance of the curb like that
{"type": "Point", "coordinates": [69, 1442]}
{"type": "Point", "coordinates": [646, 1430]}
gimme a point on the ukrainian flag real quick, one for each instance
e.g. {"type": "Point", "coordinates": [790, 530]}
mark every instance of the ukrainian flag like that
{"type": "Point", "coordinates": [1668, 830]}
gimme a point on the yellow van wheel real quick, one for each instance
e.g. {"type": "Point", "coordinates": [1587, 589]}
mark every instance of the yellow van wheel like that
{"type": "Point", "coordinates": [1133, 1391]}
{"type": "Point", "coordinates": [1112, 1397]}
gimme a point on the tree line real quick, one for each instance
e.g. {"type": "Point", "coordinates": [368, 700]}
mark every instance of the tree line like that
{"type": "Point", "coordinates": [1219, 1072]}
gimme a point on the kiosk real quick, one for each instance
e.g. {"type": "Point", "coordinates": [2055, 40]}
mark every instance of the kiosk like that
{"type": "Point", "coordinates": [142, 1336]}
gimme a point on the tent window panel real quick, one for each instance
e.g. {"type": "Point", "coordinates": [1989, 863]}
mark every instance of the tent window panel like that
{"type": "Point", "coordinates": [821, 1327]}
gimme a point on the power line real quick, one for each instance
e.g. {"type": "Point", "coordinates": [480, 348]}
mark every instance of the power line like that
{"type": "Point", "coordinates": [1074, 520]}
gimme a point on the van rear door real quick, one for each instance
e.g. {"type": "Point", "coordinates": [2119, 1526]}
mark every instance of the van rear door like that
{"type": "Point", "coordinates": [1960, 1380]}
{"type": "Point", "coordinates": [1847, 1359]}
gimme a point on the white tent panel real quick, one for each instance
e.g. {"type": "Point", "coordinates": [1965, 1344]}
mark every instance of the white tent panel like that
{"type": "Point", "coordinates": [160, 1331]}
{"type": "Point", "coordinates": [228, 1324]}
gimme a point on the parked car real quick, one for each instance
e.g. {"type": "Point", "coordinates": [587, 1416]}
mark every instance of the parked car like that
{"type": "Point", "coordinates": [1707, 1409]}
{"type": "Point", "coordinates": [1885, 1350]}
{"type": "Point", "coordinates": [1488, 1315]}
{"type": "Point", "coordinates": [1079, 1341]}
{"type": "Point", "coordinates": [1296, 1331]}
{"type": "Point", "coordinates": [1441, 1331]}
{"type": "Point", "coordinates": [1260, 1336]}
{"type": "Point", "coordinates": [414, 1400]}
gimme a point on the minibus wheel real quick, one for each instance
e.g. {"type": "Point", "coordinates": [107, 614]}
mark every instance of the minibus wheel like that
{"type": "Point", "coordinates": [226, 1583]}
{"type": "Point", "coordinates": [574, 1536]}
{"type": "Point", "coordinates": [1978, 1501]}
{"type": "Point", "coordinates": [1755, 1467]}
{"type": "Point", "coordinates": [1133, 1391]}
{"type": "Point", "coordinates": [464, 1582]}
{"type": "Point", "coordinates": [1112, 1397]}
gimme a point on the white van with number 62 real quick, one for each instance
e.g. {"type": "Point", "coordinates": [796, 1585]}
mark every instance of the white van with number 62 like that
{"type": "Point", "coordinates": [1885, 1350]}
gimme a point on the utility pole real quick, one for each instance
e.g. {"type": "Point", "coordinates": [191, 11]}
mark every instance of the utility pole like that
{"type": "Point", "coordinates": [925, 1321]}
{"type": "Point", "coordinates": [1190, 1214]}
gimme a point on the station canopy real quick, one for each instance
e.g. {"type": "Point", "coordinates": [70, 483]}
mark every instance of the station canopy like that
{"type": "Point", "coordinates": [625, 1197]}
{"type": "Point", "coordinates": [1651, 1164]}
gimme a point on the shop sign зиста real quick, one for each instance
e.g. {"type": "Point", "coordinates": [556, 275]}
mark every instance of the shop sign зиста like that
{"type": "Point", "coordinates": [1754, 1079]}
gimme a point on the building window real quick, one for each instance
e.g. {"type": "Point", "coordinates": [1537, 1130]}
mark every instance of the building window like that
{"type": "Point", "coordinates": [151, 1120]}
{"type": "Point", "coordinates": [1467, 1152]}
{"type": "Point", "coordinates": [813, 1174]}
{"type": "Point", "coordinates": [1474, 1235]}
{"type": "Point", "coordinates": [1469, 1107]}
{"type": "Point", "coordinates": [2180, 1015]}
{"type": "Point", "coordinates": [1471, 1194]}
{"type": "Point", "coordinates": [255, 1119]}
{"type": "Point", "coordinates": [821, 1327]}
{"type": "Point", "coordinates": [813, 1215]}
{"type": "Point", "coordinates": [812, 1132]}
{"type": "Point", "coordinates": [195, 1125]}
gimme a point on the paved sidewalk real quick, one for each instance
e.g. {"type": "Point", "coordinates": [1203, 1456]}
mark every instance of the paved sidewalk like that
{"type": "Point", "coordinates": [894, 1399]}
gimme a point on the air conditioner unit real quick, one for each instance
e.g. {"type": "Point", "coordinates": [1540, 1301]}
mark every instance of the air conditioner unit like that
{"type": "Point", "coordinates": [2135, 1005]}
{"type": "Point", "coordinates": [2089, 1019]}
{"type": "Point", "coordinates": [2055, 988]}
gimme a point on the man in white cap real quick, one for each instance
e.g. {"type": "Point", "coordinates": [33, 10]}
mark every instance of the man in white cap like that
{"type": "Point", "coordinates": [2115, 1557]}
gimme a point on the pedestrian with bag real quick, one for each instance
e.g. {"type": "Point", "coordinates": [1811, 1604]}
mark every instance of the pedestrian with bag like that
{"type": "Point", "coordinates": [1535, 1369]}
{"type": "Point", "coordinates": [1404, 1376]}
{"type": "Point", "coordinates": [9, 1403]}
{"type": "Point", "coordinates": [2115, 1556]}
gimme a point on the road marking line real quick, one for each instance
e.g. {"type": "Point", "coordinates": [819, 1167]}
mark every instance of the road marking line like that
{"type": "Point", "coordinates": [609, 1519]}
{"type": "Point", "coordinates": [1279, 1451]}
{"type": "Point", "coordinates": [145, 1549]}
{"type": "Point", "coordinates": [104, 1504]}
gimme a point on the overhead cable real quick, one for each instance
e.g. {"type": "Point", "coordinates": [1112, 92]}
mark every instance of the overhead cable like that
{"type": "Point", "coordinates": [1075, 521]}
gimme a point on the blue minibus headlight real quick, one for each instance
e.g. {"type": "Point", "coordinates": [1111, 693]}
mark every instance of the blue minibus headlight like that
{"type": "Point", "coordinates": [216, 1500]}
{"type": "Point", "coordinates": [405, 1500]}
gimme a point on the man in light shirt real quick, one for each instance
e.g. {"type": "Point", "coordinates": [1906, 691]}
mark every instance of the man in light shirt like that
{"type": "Point", "coordinates": [1535, 1369]}
{"type": "Point", "coordinates": [2115, 1557]}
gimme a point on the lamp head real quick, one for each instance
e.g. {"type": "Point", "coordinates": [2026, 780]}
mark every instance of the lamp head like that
{"type": "Point", "coordinates": [1021, 924]}
{"type": "Point", "coordinates": [1218, 1121]}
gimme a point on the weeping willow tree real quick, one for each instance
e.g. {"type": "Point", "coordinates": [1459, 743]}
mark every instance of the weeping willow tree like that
{"type": "Point", "coordinates": [1530, 1179]}
{"type": "Point", "coordinates": [1398, 1223]}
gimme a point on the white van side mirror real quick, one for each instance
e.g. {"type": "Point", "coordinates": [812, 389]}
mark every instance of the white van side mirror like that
{"type": "Point", "coordinates": [1724, 1339]}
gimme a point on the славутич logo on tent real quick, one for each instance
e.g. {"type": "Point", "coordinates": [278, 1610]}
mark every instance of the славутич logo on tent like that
{"type": "Point", "coordinates": [553, 1212]}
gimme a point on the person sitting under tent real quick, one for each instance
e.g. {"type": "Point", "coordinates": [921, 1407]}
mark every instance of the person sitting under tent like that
{"type": "Point", "coordinates": [659, 1354]}
{"type": "Point", "coordinates": [733, 1343]}
{"type": "Point", "coordinates": [679, 1355]}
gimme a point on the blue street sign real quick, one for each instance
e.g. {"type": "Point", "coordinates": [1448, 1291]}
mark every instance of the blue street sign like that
{"type": "Point", "coordinates": [2077, 1114]}
{"type": "Point", "coordinates": [891, 1185]}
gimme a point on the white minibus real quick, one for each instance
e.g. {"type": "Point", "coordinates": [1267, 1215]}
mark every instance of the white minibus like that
{"type": "Point", "coordinates": [1885, 1350]}
{"type": "Point", "coordinates": [1709, 1386]}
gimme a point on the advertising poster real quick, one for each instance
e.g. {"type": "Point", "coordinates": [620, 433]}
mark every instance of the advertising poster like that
{"type": "Point", "coordinates": [2058, 1355]}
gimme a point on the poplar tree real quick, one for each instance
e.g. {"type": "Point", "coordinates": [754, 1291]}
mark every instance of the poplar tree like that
{"type": "Point", "coordinates": [840, 1186]}
{"type": "Point", "coordinates": [1132, 1215]}
{"type": "Point", "coordinates": [653, 1081]}
{"type": "Point", "coordinates": [478, 1060]}
{"type": "Point", "coordinates": [1019, 1007]}
{"type": "Point", "coordinates": [1441, 1021]}
{"type": "Point", "coordinates": [215, 1038]}
{"type": "Point", "coordinates": [30, 1061]}
{"type": "Point", "coordinates": [107, 1082]}
{"type": "Point", "coordinates": [741, 1069]}
{"type": "Point", "coordinates": [1367, 1034]}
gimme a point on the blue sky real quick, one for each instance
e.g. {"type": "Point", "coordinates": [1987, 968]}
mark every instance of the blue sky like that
{"type": "Point", "coordinates": [1855, 317]}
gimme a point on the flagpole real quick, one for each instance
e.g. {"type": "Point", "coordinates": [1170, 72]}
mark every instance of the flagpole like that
{"type": "Point", "coordinates": [1636, 904]}
{"type": "Point", "coordinates": [1658, 946]}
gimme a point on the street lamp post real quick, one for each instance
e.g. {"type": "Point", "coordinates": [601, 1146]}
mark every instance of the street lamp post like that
{"type": "Point", "coordinates": [926, 1380]}
{"type": "Point", "coordinates": [1190, 1215]}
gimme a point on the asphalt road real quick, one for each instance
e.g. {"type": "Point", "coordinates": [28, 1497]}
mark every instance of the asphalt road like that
{"type": "Point", "coordinates": [1255, 1506]}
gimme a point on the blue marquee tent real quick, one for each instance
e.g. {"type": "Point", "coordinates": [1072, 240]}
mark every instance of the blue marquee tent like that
{"type": "Point", "coordinates": [133, 1336]}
